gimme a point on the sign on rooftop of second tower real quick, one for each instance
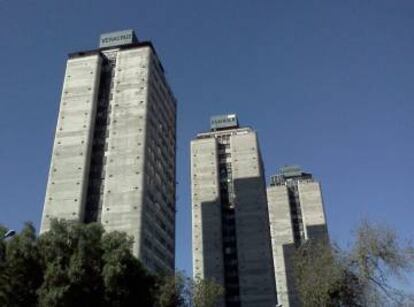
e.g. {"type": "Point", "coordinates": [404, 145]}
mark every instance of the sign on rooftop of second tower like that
{"type": "Point", "coordinates": [117, 38]}
{"type": "Point", "coordinates": [223, 121]}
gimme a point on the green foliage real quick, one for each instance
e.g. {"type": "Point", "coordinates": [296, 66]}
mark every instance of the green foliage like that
{"type": "Point", "coordinates": [322, 279]}
{"type": "Point", "coordinates": [72, 257]}
{"type": "Point", "coordinates": [170, 290]}
{"type": "Point", "coordinates": [178, 290]}
{"type": "Point", "coordinates": [329, 276]}
{"type": "Point", "coordinates": [72, 265]}
{"type": "Point", "coordinates": [4, 289]}
{"type": "Point", "coordinates": [80, 265]}
{"type": "Point", "coordinates": [377, 257]}
{"type": "Point", "coordinates": [125, 280]}
{"type": "Point", "coordinates": [206, 293]}
{"type": "Point", "coordinates": [21, 270]}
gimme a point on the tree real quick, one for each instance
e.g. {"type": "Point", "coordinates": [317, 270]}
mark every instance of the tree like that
{"type": "Point", "coordinates": [74, 264]}
{"type": "Point", "coordinates": [328, 276]}
{"type": "Point", "coordinates": [72, 258]}
{"type": "Point", "coordinates": [322, 278]}
{"type": "Point", "coordinates": [378, 256]}
{"type": "Point", "coordinates": [179, 290]}
{"type": "Point", "coordinates": [126, 281]}
{"type": "Point", "coordinates": [171, 290]}
{"type": "Point", "coordinates": [206, 293]}
{"type": "Point", "coordinates": [21, 270]}
{"type": "Point", "coordinates": [3, 274]}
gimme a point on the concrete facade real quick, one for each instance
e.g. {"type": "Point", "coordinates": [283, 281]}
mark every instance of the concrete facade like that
{"type": "Point", "coordinates": [124, 175]}
{"type": "Point", "coordinates": [296, 214]}
{"type": "Point", "coordinates": [206, 211]}
{"type": "Point", "coordinates": [69, 167]}
{"type": "Point", "coordinates": [283, 242]}
{"type": "Point", "coordinates": [231, 239]}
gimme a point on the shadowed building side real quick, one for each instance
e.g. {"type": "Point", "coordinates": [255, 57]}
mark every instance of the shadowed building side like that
{"type": "Point", "coordinates": [255, 266]}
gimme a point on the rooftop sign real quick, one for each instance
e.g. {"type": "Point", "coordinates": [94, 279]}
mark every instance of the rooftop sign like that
{"type": "Point", "coordinates": [224, 121]}
{"type": "Point", "coordinates": [117, 38]}
{"type": "Point", "coordinates": [290, 171]}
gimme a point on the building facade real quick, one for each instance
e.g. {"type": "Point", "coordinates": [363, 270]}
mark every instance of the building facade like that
{"type": "Point", "coordinates": [296, 214]}
{"type": "Point", "coordinates": [230, 226]}
{"type": "Point", "coordinates": [113, 157]}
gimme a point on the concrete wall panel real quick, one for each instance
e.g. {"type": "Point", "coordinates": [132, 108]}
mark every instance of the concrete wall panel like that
{"type": "Point", "coordinates": [68, 174]}
{"type": "Point", "coordinates": [256, 278]}
{"type": "Point", "coordinates": [206, 211]}
{"type": "Point", "coordinates": [312, 209]}
{"type": "Point", "coordinates": [124, 182]}
{"type": "Point", "coordinates": [283, 245]}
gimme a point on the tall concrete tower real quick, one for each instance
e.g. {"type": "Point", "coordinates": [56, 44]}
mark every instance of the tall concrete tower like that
{"type": "Point", "coordinates": [231, 239]}
{"type": "Point", "coordinates": [113, 158]}
{"type": "Point", "coordinates": [296, 214]}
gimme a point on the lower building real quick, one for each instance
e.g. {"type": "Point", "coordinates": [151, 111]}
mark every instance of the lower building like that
{"type": "Point", "coordinates": [296, 214]}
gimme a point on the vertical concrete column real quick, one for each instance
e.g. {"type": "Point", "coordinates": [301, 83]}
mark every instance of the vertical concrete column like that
{"type": "Point", "coordinates": [122, 207]}
{"type": "Point", "coordinates": [256, 278]}
{"type": "Point", "coordinates": [312, 207]}
{"type": "Point", "coordinates": [159, 187]}
{"type": "Point", "coordinates": [69, 168]}
{"type": "Point", "coordinates": [206, 211]}
{"type": "Point", "coordinates": [283, 245]}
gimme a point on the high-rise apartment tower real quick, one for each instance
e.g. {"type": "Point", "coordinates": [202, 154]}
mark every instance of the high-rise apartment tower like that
{"type": "Point", "coordinates": [296, 214]}
{"type": "Point", "coordinates": [113, 158]}
{"type": "Point", "coordinates": [231, 239]}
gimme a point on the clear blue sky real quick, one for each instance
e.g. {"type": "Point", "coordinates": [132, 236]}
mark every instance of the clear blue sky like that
{"type": "Point", "coordinates": [327, 84]}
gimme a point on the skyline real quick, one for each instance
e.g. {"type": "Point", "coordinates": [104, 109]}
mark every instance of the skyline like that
{"type": "Point", "coordinates": [331, 91]}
